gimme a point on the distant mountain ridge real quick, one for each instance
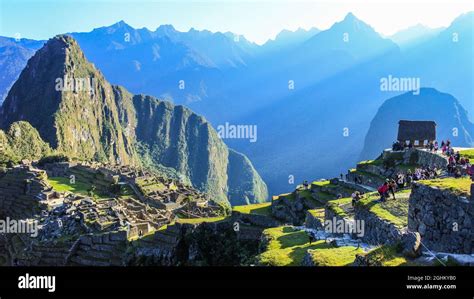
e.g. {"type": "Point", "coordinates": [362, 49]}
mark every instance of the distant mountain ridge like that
{"type": "Point", "coordinates": [104, 122]}
{"type": "Point", "coordinates": [414, 35]}
{"type": "Point", "coordinates": [14, 53]}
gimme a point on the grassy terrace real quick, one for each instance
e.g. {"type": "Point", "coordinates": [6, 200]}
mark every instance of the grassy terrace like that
{"type": "Point", "coordinates": [285, 195]}
{"type": "Point", "coordinates": [376, 162]}
{"type": "Point", "coordinates": [468, 154]}
{"type": "Point", "coordinates": [63, 184]}
{"type": "Point", "coordinates": [287, 247]}
{"type": "Point", "coordinates": [327, 184]}
{"type": "Point", "coordinates": [150, 187]}
{"type": "Point", "coordinates": [199, 220]}
{"type": "Point", "coordinates": [459, 186]}
{"type": "Point", "coordinates": [335, 206]}
{"type": "Point", "coordinates": [258, 209]}
{"type": "Point", "coordinates": [322, 196]}
{"type": "Point", "coordinates": [317, 213]}
{"type": "Point", "coordinates": [340, 256]}
{"type": "Point", "coordinates": [394, 211]}
{"type": "Point", "coordinates": [386, 255]}
{"type": "Point", "coordinates": [320, 183]}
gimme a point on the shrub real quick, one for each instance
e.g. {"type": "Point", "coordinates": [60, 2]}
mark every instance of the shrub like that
{"type": "Point", "coordinates": [53, 159]}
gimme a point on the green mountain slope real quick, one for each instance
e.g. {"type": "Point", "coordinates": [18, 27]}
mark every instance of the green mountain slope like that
{"type": "Point", "coordinates": [80, 114]}
{"type": "Point", "coordinates": [21, 141]}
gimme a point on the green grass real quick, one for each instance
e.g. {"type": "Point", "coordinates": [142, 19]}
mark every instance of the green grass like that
{"type": "Point", "coordinates": [150, 187]}
{"type": "Point", "coordinates": [287, 247]}
{"type": "Point", "coordinates": [467, 154]}
{"type": "Point", "coordinates": [320, 183]}
{"type": "Point", "coordinates": [387, 255]}
{"type": "Point", "coordinates": [459, 186]}
{"type": "Point", "coordinates": [63, 184]}
{"type": "Point", "coordinates": [340, 256]}
{"type": "Point", "coordinates": [285, 195]}
{"type": "Point", "coordinates": [317, 213]}
{"type": "Point", "coordinates": [199, 220]}
{"type": "Point", "coordinates": [394, 211]}
{"type": "Point", "coordinates": [259, 209]}
{"type": "Point", "coordinates": [335, 206]}
{"type": "Point", "coordinates": [376, 162]}
{"type": "Point", "coordinates": [324, 196]}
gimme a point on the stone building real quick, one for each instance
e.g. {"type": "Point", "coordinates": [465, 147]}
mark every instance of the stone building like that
{"type": "Point", "coordinates": [418, 133]}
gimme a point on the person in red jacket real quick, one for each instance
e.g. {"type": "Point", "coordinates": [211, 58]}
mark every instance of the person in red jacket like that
{"type": "Point", "coordinates": [383, 191]}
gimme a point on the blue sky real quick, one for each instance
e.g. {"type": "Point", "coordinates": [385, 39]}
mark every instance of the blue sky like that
{"type": "Point", "coordinates": [256, 20]}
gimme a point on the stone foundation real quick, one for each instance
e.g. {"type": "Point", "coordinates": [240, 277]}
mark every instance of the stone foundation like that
{"type": "Point", "coordinates": [444, 220]}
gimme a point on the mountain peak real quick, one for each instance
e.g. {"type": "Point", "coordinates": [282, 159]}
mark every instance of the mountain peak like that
{"type": "Point", "coordinates": [121, 24]}
{"type": "Point", "coordinates": [166, 28]}
{"type": "Point", "coordinates": [350, 17]}
{"type": "Point", "coordinates": [62, 40]}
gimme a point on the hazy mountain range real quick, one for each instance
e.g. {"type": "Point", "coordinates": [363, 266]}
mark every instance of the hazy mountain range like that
{"type": "Point", "coordinates": [312, 94]}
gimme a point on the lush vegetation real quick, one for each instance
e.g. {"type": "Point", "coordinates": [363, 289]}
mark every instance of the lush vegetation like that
{"type": "Point", "coordinates": [199, 220]}
{"type": "Point", "coordinates": [288, 246]}
{"type": "Point", "coordinates": [460, 186]}
{"type": "Point", "coordinates": [468, 154]}
{"type": "Point", "coordinates": [339, 256]}
{"type": "Point", "coordinates": [259, 209]}
{"type": "Point", "coordinates": [62, 184]}
{"type": "Point", "coordinates": [335, 206]}
{"type": "Point", "coordinates": [394, 211]}
{"type": "Point", "coordinates": [387, 255]}
{"type": "Point", "coordinates": [317, 213]}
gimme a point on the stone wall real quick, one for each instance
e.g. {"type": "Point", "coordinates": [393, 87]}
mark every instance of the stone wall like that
{"type": "Point", "coordinates": [98, 250]}
{"type": "Point", "coordinates": [292, 210]}
{"type": "Point", "coordinates": [377, 230]}
{"type": "Point", "coordinates": [312, 222]}
{"type": "Point", "coordinates": [254, 220]}
{"type": "Point", "coordinates": [425, 158]}
{"type": "Point", "coordinates": [367, 179]}
{"type": "Point", "coordinates": [444, 220]}
{"type": "Point", "coordinates": [20, 192]}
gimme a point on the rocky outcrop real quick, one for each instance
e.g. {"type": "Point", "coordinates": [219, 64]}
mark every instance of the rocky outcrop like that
{"type": "Point", "coordinates": [444, 220]}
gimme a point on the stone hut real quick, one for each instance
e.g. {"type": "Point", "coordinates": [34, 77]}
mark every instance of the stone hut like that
{"type": "Point", "coordinates": [418, 133]}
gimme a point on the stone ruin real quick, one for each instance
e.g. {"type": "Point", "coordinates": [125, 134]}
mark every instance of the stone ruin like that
{"type": "Point", "coordinates": [79, 229]}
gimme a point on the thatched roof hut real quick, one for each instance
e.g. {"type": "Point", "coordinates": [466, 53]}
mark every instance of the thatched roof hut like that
{"type": "Point", "coordinates": [414, 130]}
